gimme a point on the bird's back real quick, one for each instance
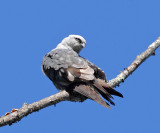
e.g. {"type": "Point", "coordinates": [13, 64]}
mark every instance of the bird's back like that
{"type": "Point", "coordinates": [56, 62]}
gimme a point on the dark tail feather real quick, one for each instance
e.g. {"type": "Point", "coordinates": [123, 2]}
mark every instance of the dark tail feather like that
{"type": "Point", "coordinates": [109, 89]}
{"type": "Point", "coordinates": [107, 98]}
{"type": "Point", "coordinates": [105, 94]}
{"type": "Point", "coordinates": [105, 90]}
{"type": "Point", "coordinates": [114, 92]}
{"type": "Point", "coordinates": [90, 93]}
{"type": "Point", "coordinates": [100, 89]}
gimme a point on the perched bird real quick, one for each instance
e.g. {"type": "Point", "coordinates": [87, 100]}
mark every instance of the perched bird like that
{"type": "Point", "coordinates": [75, 74]}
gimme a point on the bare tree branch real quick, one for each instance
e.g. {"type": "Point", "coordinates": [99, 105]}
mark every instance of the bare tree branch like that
{"type": "Point", "coordinates": [135, 64]}
{"type": "Point", "coordinates": [64, 96]}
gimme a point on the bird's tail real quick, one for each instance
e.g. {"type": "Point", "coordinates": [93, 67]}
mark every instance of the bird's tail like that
{"type": "Point", "coordinates": [99, 86]}
{"type": "Point", "coordinates": [105, 90]}
{"type": "Point", "coordinates": [89, 92]}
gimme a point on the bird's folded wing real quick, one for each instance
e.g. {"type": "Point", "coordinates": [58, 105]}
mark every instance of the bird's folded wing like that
{"type": "Point", "coordinates": [83, 74]}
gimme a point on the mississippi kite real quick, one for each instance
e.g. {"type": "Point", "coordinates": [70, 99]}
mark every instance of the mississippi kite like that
{"type": "Point", "coordinates": [75, 74]}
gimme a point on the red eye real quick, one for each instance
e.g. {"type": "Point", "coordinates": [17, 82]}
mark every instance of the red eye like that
{"type": "Point", "coordinates": [79, 40]}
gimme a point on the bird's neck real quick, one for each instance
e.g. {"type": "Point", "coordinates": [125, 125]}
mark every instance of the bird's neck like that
{"type": "Point", "coordinates": [62, 46]}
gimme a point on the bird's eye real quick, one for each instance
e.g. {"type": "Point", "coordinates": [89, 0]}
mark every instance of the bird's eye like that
{"type": "Point", "coordinates": [79, 40]}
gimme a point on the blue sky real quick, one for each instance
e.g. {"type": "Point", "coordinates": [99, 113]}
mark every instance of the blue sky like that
{"type": "Point", "coordinates": [116, 32]}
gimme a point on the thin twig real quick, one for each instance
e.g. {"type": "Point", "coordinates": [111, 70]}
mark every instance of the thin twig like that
{"type": "Point", "coordinates": [64, 96]}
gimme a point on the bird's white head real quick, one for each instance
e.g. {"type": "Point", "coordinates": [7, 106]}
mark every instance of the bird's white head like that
{"type": "Point", "coordinates": [74, 42]}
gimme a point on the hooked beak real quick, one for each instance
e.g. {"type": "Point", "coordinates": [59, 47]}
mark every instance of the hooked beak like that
{"type": "Point", "coordinates": [83, 45]}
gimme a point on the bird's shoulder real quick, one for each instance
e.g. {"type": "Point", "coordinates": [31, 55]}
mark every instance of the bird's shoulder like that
{"type": "Point", "coordinates": [63, 58]}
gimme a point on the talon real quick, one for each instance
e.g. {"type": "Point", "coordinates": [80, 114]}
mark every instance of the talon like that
{"type": "Point", "coordinates": [14, 110]}
{"type": "Point", "coordinates": [7, 113]}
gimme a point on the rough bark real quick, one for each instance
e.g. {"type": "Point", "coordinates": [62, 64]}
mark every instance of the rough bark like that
{"type": "Point", "coordinates": [64, 96]}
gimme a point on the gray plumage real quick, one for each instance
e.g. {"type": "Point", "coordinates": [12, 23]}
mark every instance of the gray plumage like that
{"type": "Point", "coordinates": [69, 71]}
